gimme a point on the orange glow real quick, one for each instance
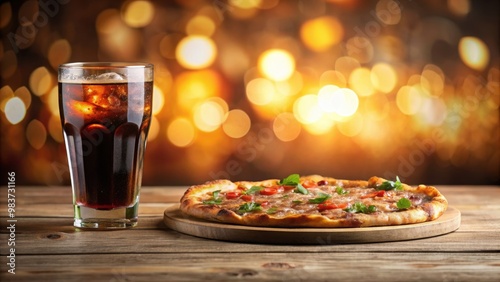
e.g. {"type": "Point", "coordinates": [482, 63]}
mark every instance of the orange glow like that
{"type": "Point", "coordinates": [333, 77]}
{"type": "Point", "coordinates": [194, 86]}
{"type": "Point", "coordinates": [409, 100]}
{"type": "Point", "coordinates": [36, 134]}
{"type": "Point", "coordinates": [345, 65]}
{"type": "Point", "coordinates": [306, 109]}
{"type": "Point", "coordinates": [196, 52]}
{"type": "Point", "coordinates": [291, 86]}
{"type": "Point", "coordinates": [59, 52]}
{"type": "Point", "coordinates": [432, 82]}
{"type": "Point", "coordinates": [321, 33]}
{"type": "Point", "coordinates": [459, 7]}
{"type": "Point", "coordinates": [383, 77]}
{"type": "Point", "coordinates": [40, 81]}
{"type": "Point", "coordinates": [433, 111]}
{"type": "Point", "coordinates": [181, 132]}
{"type": "Point", "coordinates": [200, 25]}
{"type": "Point", "coordinates": [473, 52]}
{"type": "Point", "coordinates": [353, 126]}
{"type": "Point", "coordinates": [237, 124]}
{"type": "Point", "coordinates": [360, 81]}
{"type": "Point", "coordinates": [5, 94]}
{"type": "Point", "coordinates": [260, 91]}
{"type": "Point", "coordinates": [108, 21]}
{"type": "Point", "coordinates": [277, 64]}
{"type": "Point", "coordinates": [321, 126]}
{"type": "Point", "coordinates": [154, 129]}
{"type": "Point", "coordinates": [52, 101]}
{"type": "Point", "coordinates": [158, 100]}
{"type": "Point", "coordinates": [83, 107]}
{"type": "Point", "coordinates": [208, 116]}
{"type": "Point", "coordinates": [286, 127]}
{"type": "Point", "coordinates": [246, 4]}
{"type": "Point", "coordinates": [137, 13]}
{"type": "Point", "coordinates": [24, 94]}
{"type": "Point", "coordinates": [55, 129]}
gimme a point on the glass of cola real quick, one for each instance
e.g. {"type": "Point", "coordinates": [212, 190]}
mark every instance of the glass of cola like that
{"type": "Point", "coordinates": [105, 112]}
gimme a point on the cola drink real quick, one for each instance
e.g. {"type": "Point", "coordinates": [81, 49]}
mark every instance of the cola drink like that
{"type": "Point", "coordinates": [105, 123]}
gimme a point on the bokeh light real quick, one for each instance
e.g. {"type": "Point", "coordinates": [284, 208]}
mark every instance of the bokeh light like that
{"type": "Point", "coordinates": [306, 109]}
{"type": "Point", "coordinates": [286, 127]}
{"type": "Point", "coordinates": [200, 25]}
{"type": "Point", "coordinates": [158, 100]}
{"type": "Point", "coordinates": [473, 52]}
{"type": "Point", "coordinates": [360, 81]}
{"type": "Point", "coordinates": [319, 34]}
{"type": "Point", "coordinates": [208, 116]}
{"type": "Point", "coordinates": [260, 91]}
{"type": "Point", "coordinates": [36, 134]}
{"type": "Point", "coordinates": [196, 52]}
{"type": "Point", "coordinates": [459, 7]}
{"type": "Point", "coordinates": [383, 77]}
{"type": "Point", "coordinates": [137, 13]}
{"type": "Point", "coordinates": [154, 129]}
{"type": "Point", "coordinates": [236, 124]}
{"type": "Point", "coordinates": [181, 132]}
{"type": "Point", "coordinates": [59, 52]}
{"type": "Point", "coordinates": [276, 64]}
{"type": "Point", "coordinates": [40, 81]}
{"type": "Point", "coordinates": [15, 110]}
{"type": "Point", "coordinates": [409, 100]}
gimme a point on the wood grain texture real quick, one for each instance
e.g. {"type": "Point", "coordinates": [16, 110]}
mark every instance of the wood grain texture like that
{"type": "Point", "coordinates": [48, 248]}
{"type": "Point", "coordinates": [364, 266]}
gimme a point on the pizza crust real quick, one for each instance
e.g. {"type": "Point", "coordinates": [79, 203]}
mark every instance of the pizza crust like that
{"type": "Point", "coordinates": [192, 204]}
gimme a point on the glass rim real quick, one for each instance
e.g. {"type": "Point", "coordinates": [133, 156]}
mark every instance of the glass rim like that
{"type": "Point", "coordinates": [100, 65]}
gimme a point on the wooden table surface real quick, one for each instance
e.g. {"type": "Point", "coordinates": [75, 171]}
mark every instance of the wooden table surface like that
{"type": "Point", "coordinates": [48, 248]}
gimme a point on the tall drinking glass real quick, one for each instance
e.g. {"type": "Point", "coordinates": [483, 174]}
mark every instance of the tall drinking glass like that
{"type": "Point", "coordinates": [105, 113]}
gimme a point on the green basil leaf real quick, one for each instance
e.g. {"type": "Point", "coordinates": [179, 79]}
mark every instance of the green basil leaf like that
{"type": "Point", "coordinates": [249, 207]}
{"type": "Point", "coordinates": [292, 179]}
{"type": "Point", "coordinates": [271, 210]}
{"type": "Point", "coordinates": [215, 200]}
{"type": "Point", "coordinates": [320, 198]}
{"type": "Point", "coordinates": [359, 207]}
{"type": "Point", "coordinates": [398, 185]}
{"type": "Point", "coordinates": [391, 185]}
{"type": "Point", "coordinates": [253, 190]}
{"type": "Point", "coordinates": [341, 191]}
{"type": "Point", "coordinates": [370, 209]}
{"type": "Point", "coordinates": [296, 202]}
{"type": "Point", "coordinates": [301, 189]}
{"type": "Point", "coordinates": [403, 204]}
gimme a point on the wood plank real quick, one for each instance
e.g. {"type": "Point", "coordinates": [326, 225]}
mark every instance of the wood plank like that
{"type": "Point", "coordinates": [56, 236]}
{"type": "Point", "coordinates": [270, 266]}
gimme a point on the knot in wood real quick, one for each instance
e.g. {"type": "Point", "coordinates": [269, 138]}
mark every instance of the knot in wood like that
{"type": "Point", "coordinates": [53, 236]}
{"type": "Point", "coordinates": [278, 265]}
{"type": "Point", "coordinates": [243, 273]}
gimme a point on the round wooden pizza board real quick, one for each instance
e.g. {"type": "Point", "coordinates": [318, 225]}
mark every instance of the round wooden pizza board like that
{"type": "Point", "coordinates": [176, 220]}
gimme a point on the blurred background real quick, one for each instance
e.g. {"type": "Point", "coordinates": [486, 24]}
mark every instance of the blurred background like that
{"type": "Point", "coordinates": [254, 89]}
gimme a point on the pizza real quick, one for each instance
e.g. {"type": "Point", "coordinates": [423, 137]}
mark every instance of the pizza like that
{"type": "Point", "coordinates": [313, 201]}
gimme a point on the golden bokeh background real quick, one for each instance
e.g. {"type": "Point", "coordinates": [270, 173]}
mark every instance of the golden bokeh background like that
{"type": "Point", "coordinates": [253, 89]}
